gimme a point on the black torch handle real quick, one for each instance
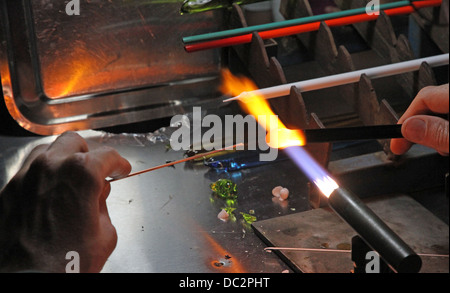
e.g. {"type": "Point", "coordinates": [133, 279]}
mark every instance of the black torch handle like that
{"type": "Point", "coordinates": [353, 133]}
{"type": "Point", "coordinates": [374, 232]}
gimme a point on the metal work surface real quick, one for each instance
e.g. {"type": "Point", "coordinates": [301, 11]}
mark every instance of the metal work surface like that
{"type": "Point", "coordinates": [116, 62]}
{"type": "Point", "coordinates": [123, 62]}
{"type": "Point", "coordinates": [323, 229]}
{"type": "Point", "coordinates": [167, 220]}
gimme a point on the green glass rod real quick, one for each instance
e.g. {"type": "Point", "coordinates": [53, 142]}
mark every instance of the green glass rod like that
{"type": "Point", "coordinates": [286, 23]}
{"type": "Point", "coordinates": [196, 6]}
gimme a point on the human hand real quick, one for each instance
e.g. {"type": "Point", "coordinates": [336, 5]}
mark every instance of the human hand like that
{"type": "Point", "coordinates": [56, 203]}
{"type": "Point", "coordinates": [421, 127]}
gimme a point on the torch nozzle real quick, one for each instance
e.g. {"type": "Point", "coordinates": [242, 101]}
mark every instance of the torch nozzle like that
{"type": "Point", "coordinates": [374, 231]}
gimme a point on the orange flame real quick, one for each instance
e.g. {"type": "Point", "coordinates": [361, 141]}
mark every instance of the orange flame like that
{"type": "Point", "coordinates": [278, 136]}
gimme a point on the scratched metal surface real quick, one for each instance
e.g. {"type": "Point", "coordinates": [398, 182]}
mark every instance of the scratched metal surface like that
{"type": "Point", "coordinates": [167, 220]}
{"type": "Point", "coordinates": [322, 228]}
{"type": "Point", "coordinates": [117, 62]}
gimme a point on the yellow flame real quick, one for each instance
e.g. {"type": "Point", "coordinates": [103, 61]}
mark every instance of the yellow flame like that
{"type": "Point", "coordinates": [259, 108]}
{"type": "Point", "coordinates": [278, 136]}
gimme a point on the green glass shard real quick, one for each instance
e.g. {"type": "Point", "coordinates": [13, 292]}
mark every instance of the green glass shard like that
{"type": "Point", "coordinates": [195, 6]}
{"type": "Point", "coordinates": [248, 218]}
{"type": "Point", "coordinates": [230, 213]}
{"type": "Point", "coordinates": [231, 202]}
{"type": "Point", "coordinates": [229, 210]}
{"type": "Point", "coordinates": [224, 188]}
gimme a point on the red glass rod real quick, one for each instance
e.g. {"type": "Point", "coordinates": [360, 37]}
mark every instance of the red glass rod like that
{"type": "Point", "coordinates": [309, 27]}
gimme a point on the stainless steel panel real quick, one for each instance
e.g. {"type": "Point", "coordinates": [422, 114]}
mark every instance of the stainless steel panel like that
{"type": "Point", "coordinates": [323, 229]}
{"type": "Point", "coordinates": [166, 220]}
{"type": "Point", "coordinates": [117, 62]}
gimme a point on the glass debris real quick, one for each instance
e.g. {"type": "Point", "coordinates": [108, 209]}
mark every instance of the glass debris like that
{"type": "Point", "coordinates": [248, 218]}
{"type": "Point", "coordinates": [224, 188]}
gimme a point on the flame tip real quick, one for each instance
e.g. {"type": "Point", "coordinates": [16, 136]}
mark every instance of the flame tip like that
{"type": "Point", "coordinates": [278, 135]}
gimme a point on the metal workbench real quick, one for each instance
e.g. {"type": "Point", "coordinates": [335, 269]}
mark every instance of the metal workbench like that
{"type": "Point", "coordinates": [167, 220]}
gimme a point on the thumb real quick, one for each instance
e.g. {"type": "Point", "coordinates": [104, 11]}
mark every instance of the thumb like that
{"type": "Point", "coordinates": [429, 131]}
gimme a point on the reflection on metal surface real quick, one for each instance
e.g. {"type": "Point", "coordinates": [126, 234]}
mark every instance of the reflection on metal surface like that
{"type": "Point", "coordinates": [225, 261]}
{"type": "Point", "coordinates": [312, 230]}
{"type": "Point", "coordinates": [115, 63]}
{"type": "Point", "coordinates": [165, 220]}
